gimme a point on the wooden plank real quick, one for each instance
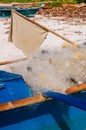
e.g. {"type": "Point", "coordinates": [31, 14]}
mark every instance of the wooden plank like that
{"type": "Point", "coordinates": [76, 88]}
{"type": "Point", "coordinates": [22, 102]}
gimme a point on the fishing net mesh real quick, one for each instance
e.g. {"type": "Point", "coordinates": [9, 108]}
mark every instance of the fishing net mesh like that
{"type": "Point", "coordinates": [54, 70]}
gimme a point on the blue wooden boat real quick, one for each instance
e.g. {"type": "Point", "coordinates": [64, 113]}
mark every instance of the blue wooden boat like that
{"type": "Point", "coordinates": [53, 112]}
{"type": "Point", "coordinates": [29, 12]}
{"type": "Point", "coordinates": [12, 87]}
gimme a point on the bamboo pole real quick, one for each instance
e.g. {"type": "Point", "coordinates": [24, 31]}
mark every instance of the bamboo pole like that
{"type": "Point", "coordinates": [37, 99]}
{"type": "Point", "coordinates": [12, 61]}
{"type": "Point", "coordinates": [22, 102]}
{"type": "Point", "coordinates": [76, 88]}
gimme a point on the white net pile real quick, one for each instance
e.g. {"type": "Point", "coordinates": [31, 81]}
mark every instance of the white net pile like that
{"type": "Point", "coordinates": [54, 70]}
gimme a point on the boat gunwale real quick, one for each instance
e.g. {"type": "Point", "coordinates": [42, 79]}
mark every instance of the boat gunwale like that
{"type": "Point", "coordinates": [22, 102]}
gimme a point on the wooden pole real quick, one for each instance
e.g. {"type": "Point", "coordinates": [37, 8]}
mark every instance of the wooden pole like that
{"type": "Point", "coordinates": [37, 98]}
{"type": "Point", "coordinates": [45, 28]}
{"type": "Point", "coordinates": [76, 88]}
{"type": "Point", "coordinates": [12, 61]}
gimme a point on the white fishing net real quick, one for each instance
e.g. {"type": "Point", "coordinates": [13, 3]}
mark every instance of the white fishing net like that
{"type": "Point", "coordinates": [53, 70]}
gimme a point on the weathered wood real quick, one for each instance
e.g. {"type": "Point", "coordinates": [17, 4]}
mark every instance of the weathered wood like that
{"type": "Point", "coordinates": [76, 88]}
{"type": "Point", "coordinates": [22, 102]}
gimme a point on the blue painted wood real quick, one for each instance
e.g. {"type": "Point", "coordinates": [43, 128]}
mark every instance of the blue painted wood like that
{"type": "Point", "coordinates": [67, 99]}
{"type": "Point", "coordinates": [13, 87]}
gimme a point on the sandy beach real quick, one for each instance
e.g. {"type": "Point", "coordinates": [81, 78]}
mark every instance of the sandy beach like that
{"type": "Point", "coordinates": [72, 28]}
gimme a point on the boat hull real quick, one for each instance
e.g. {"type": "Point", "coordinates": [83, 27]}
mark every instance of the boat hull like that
{"type": "Point", "coordinates": [29, 12]}
{"type": "Point", "coordinates": [20, 113]}
{"type": "Point", "coordinates": [50, 114]}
